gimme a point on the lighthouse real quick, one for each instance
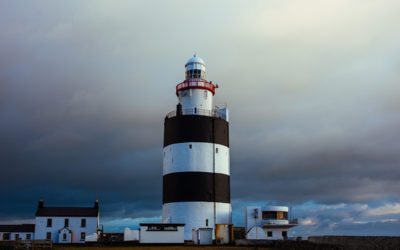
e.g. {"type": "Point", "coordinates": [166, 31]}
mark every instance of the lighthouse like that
{"type": "Point", "coordinates": [196, 169]}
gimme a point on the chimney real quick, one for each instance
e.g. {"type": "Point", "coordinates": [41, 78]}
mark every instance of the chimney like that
{"type": "Point", "coordinates": [41, 203]}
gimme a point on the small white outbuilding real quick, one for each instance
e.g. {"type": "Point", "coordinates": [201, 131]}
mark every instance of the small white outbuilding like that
{"type": "Point", "coordinates": [162, 233]}
{"type": "Point", "coordinates": [202, 236]}
{"type": "Point", "coordinates": [131, 235]}
{"type": "Point", "coordinates": [269, 222]}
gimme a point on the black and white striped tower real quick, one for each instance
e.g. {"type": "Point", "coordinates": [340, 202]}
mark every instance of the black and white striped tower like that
{"type": "Point", "coordinates": [196, 171]}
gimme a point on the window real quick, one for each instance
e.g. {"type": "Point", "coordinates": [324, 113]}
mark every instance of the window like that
{"type": "Point", "coordinates": [154, 228]}
{"type": "Point", "coordinates": [28, 236]}
{"type": "Point", "coordinates": [190, 145]}
{"type": "Point", "coordinates": [6, 236]}
{"type": "Point", "coordinates": [206, 222]}
{"type": "Point", "coordinates": [274, 215]}
{"type": "Point", "coordinates": [64, 237]}
{"type": "Point", "coordinates": [284, 234]}
{"type": "Point", "coordinates": [269, 233]}
{"type": "Point", "coordinates": [196, 73]}
{"type": "Point", "coordinates": [268, 215]}
{"type": "Point", "coordinates": [216, 150]}
{"type": "Point", "coordinates": [83, 222]}
{"type": "Point", "coordinates": [49, 222]}
{"type": "Point", "coordinates": [162, 228]}
{"type": "Point", "coordinates": [66, 222]}
{"type": "Point", "coordinates": [48, 235]}
{"type": "Point", "coordinates": [16, 236]}
{"type": "Point", "coordinates": [280, 215]}
{"type": "Point", "coordinates": [83, 235]}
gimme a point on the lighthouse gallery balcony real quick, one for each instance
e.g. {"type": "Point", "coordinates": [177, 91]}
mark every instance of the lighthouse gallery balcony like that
{"type": "Point", "coordinates": [216, 112]}
{"type": "Point", "coordinates": [196, 84]}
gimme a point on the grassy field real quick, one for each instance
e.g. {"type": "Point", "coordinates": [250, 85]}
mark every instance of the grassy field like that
{"type": "Point", "coordinates": [164, 248]}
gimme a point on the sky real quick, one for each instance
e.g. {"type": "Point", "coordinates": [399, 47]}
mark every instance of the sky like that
{"type": "Point", "coordinates": [312, 87]}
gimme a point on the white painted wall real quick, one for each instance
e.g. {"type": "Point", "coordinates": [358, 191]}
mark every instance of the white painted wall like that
{"type": "Point", "coordinates": [180, 157]}
{"type": "Point", "coordinates": [41, 228]}
{"type": "Point", "coordinates": [155, 237]}
{"type": "Point", "coordinates": [21, 235]}
{"type": "Point", "coordinates": [131, 235]}
{"type": "Point", "coordinates": [276, 233]}
{"type": "Point", "coordinates": [253, 217]}
{"type": "Point", "coordinates": [196, 98]}
{"type": "Point", "coordinates": [194, 215]}
{"type": "Point", "coordinates": [256, 233]}
{"type": "Point", "coordinates": [223, 113]}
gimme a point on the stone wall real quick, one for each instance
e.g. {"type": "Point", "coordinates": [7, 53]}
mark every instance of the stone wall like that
{"type": "Point", "coordinates": [287, 244]}
{"type": "Point", "coordinates": [358, 242]}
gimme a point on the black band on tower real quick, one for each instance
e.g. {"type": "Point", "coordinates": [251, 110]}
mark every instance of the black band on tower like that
{"type": "Point", "coordinates": [196, 186]}
{"type": "Point", "coordinates": [196, 128]}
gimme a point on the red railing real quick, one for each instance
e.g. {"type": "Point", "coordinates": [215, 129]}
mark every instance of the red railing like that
{"type": "Point", "coordinates": [196, 84]}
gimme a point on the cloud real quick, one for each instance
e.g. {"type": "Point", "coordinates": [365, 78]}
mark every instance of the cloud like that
{"type": "Point", "coordinates": [386, 209]}
{"type": "Point", "coordinates": [118, 225]}
{"type": "Point", "coordinates": [308, 222]}
{"type": "Point", "coordinates": [342, 219]}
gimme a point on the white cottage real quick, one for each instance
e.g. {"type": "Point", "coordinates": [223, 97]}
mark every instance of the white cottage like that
{"type": "Point", "coordinates": [66, 224]}
{"type": "Point", "coordinates": [17, 232]}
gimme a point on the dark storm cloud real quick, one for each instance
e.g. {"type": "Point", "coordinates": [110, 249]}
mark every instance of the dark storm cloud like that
{"type": "Point", "coordinates": [335, 170]}
{"type": "Point", "coordinates": [62, 134]}
{"type": "Point", "coordinates": [312, 95]}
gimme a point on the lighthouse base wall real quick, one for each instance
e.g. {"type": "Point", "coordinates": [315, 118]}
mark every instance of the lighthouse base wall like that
{"type": "Point", "coordinates": [196, 215]}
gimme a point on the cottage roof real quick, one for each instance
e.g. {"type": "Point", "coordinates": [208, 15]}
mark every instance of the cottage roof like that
{"type": "Point", "coordinates": [22, 228]}
{"type": "Point", "coordinates": [44, 211]}
{"type": "Point", "coordinates": [67, 212]}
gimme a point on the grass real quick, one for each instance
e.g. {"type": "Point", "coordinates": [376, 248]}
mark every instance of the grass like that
{"type": "Point", "coordinates": [163, 248]}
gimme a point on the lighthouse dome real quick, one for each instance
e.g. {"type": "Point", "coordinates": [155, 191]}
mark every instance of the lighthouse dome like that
{"type": "Point", "coordinates": [195, 68]}
{"type": "Point", "coordinates": [195, 60]}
